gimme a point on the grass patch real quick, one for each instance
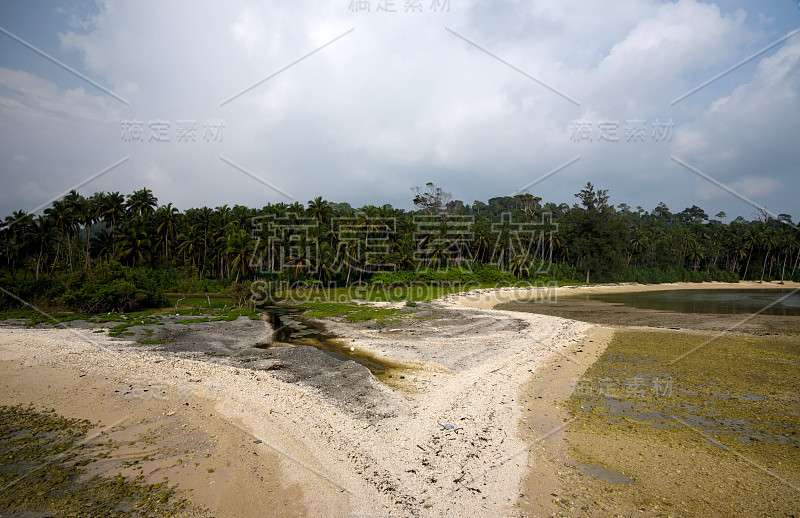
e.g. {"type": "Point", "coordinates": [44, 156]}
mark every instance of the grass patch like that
{"type": "Point", "coordinates": [153, 342]}
{"type": "Point", "coordinates": [354, 312]}
{"type": "Point", "coordinates": [130, 321]}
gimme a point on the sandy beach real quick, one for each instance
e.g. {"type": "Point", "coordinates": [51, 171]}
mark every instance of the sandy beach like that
{"type": "Point", "coordinates": [459, 430]}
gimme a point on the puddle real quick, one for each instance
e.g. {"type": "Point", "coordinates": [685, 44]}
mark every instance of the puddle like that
{"type": "Point", "coordinates": [289, 328]}
{"type": "Point", "coordinates": [665, 418]}
{"type": "Point", "coordinates": [606, 475]}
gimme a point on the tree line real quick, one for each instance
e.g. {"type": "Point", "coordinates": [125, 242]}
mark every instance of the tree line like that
{"type": "Point", "coordinates": [334, 243]}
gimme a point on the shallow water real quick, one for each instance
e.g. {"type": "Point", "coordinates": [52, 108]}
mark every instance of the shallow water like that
{"type": "Point", "coordinates": [290, 329]}
{"type": "Point", "coordinates": [785, 302]}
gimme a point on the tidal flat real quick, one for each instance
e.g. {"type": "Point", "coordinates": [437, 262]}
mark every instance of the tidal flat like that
{"type": "Point", "coordinates": [683, 422]}
{"type": "Point", "coordinates": [45, 471]}
{"type": "Point", "coordinates": [713, 433]}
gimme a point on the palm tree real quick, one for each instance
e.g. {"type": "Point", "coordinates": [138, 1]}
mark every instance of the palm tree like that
{"type": "Point", "coordinates": [222, 216]}
{"type": "Point", "coordinates": [437, 253]}
{"type": "Point", "coordinates": [639, 242]}
{"type": "Point", "coordinates": [769, 241]}
{"type": "Point", "coordinates": [557, 244]}
{"type": "Point", "coordinates": [166, 220]}
{"type": "Point", "coordinates": [113, 212]}
{"type": "Point", "coordinates": [750, 240]}
{"type": "Point", "coordinates": [786, 246]}
{"type": "Point", "coordinates": [349, 253]}
{"type": "Point", "coordinates": [299, 256]}
{"type": "Point", "coordinates": [695, 252]}
{"type": "Point", "coordinates": [520, 266]}
{"type": "Point", "coordinates": [795, 237]}
{"type": "Point", "coordinates": [325, 266]}
{"type": "Point", "coordinates": [238, 250]}
{"type": "Point", "coordinates": [103, 244]}
{"type": "Point", "coordinates": [142, 203]}
{"type": "Point", "coordinates": [189, 241]}
{"type": "Point", "coordinates": [136, 243]}
{"type": "Point", "coordinates": [502, 246]}
{"type": "Point", "coordinates": [482, 242]}
{"type": "Point", "coordinates": [688, 241]}
{"type": "Point", "coordinates": [241, 217]}
{"type": "Point", "coordinates": [89, 214]}
{"type": "Point", "coordinates": [40, 233]}
{"type": "Point", "coordinates": [76, 203]}
{"type": "Point", "coordinates": [218, 239]}
{"type": "Point", "coordinates": [320, 211]}
{"type": "Point", "coordinates": [16, 226]}
{"type": "Point", "coordinates": [737, 251]}
{"type": "Point", "coordinates": [204, 221]}
{"type": "Point", "coordinates": [63, 220]}
{"type": "Point", "coordinates": [404, 253]}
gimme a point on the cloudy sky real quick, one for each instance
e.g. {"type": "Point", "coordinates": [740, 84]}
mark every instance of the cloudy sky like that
{"type": "Point", "coordinates": [259, 102]}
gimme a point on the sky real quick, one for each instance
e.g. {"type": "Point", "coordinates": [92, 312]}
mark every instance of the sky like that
{"type": "Point", "coordinates": [208, 103]}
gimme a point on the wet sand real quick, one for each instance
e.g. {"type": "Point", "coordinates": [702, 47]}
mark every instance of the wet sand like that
{"type": "Point", "coordinates": [546, 419]}
{"type": "Point", "coordinates": [170, 431]}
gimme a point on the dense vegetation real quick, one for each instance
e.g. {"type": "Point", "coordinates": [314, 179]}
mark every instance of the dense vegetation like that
{"type": "Point", "coordinates": [113, 252]}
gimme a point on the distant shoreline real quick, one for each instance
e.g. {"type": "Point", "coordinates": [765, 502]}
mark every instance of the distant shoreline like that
{"type": "Point", "coordinates": [491, 297]}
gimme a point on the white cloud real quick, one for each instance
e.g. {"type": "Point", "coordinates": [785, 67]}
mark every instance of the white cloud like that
{"type": "Point", "coordinates": [401, 101]}
{"type": "Point", "coordinates": [26, 96]}
{"type": "Point", "coordinates": [249, 31]}
{"type": "Point", "coordinates": [752, 132]}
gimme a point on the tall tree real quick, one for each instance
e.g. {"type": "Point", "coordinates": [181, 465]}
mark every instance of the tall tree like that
{"type": "Point", "coordinates": [40, 233]}
{"type": "Point", "coordinates": [431, 199]}
{"type": "Point", "coordinates": [166, 220]}
{"type": "Point", "coordinates": [142, 203]}
{"type": "Point", "coordinates": [596, 236]}
{"type": "Point", "coordinates": [63, 218]}
{"type": "Point", "coordinates": [113, 213]}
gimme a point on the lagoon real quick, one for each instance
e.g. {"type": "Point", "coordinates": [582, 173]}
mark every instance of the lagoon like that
{"type": "Point", "coordinates": [785, 302]}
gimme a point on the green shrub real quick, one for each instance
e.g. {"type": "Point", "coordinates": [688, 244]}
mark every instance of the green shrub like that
{"type": "Point", "coordinates": [112, 287]}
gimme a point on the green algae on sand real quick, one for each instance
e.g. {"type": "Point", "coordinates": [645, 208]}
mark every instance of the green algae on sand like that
{"type": "Point", "coordinates": [705, 424]}
{"type": "Point", "coordinates": [43, 460]}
